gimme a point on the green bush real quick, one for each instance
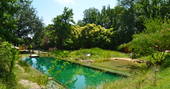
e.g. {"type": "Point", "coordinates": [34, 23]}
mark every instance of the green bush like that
{"type": "Point", "coordinates": [89, 36]}
{"type": "Point", "coordinates": [155, 38]}
{"type": "Point", "coordinates": [8, 56]}
{"type": "Point", "coordinates": [153, 41]}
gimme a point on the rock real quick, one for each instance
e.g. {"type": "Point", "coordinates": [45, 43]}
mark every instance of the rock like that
{"type": "Point", "coordinates": [88, 55]}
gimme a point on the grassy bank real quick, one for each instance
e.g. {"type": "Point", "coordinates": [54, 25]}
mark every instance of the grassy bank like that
{"type": "Point", "coordinates": [27, 77]}
{"type": "Point", "coordinates": [144, 79]}
{"type": "Point", "coordinates": [98, 58]}
{"type": "Point", "coordinates": [23, 71]}
{"type": "Point", "coordinates": [85, 54]}
{"type": "Point", "coordinates": [24, 77]}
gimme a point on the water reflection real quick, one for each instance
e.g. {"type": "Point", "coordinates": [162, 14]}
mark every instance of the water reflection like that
{"type": "Point", "coordinates": [71, 75]}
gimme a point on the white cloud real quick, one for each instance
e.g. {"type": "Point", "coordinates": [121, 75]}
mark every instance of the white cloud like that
{"type": "Point", "coordinates": [65, 1]}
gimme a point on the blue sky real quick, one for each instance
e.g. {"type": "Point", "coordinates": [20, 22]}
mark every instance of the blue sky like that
{"type": "Point", "coordinates": [48, 9]}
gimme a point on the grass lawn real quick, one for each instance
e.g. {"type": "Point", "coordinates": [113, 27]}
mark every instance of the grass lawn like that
{"type": "Point", "coordinates": [117, 65]}
{"type": "Point", "coordinates": [94, 54]}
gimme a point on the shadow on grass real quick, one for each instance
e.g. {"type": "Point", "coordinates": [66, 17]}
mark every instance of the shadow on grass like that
{"type": "Point", "coordinates": [167, 62]}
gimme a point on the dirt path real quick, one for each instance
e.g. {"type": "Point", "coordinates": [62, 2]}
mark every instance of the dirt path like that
{"type": "Point", "coordinates": [29, 84]}
{"type": "Point", "coordinates": [128, 59]}
{"type": "Point", "coordinates": [124, 59]}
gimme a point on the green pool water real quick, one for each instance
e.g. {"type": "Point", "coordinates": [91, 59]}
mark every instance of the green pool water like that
{"type": "Point", "coordinates": [73, 76]}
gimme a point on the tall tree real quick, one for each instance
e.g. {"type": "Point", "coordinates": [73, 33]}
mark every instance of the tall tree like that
{"type": "Point", "coordinates": [48, 37]}
{"type": "Point", "coordinates": [62, 25]}
{"type": "Point", "coordinates": [8, 8]}
{"type": "Point", "coordinates": [28, 23]}
{"type": "Point", "coordinates": [106, 17]}
{"type": "Point", "coordinates": [91, 15]}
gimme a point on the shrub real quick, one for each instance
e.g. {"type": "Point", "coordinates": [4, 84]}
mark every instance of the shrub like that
{"type": "Point", "coordinates": [153, 41]}
{"type": "Point", "coordinates": [91, 35]}
{"type": "Point", "coordinates": [8, 56]}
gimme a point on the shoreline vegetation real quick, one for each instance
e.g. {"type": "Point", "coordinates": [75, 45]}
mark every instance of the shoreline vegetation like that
{"type": "Point", "coordinates": [29, 77]}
